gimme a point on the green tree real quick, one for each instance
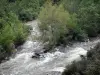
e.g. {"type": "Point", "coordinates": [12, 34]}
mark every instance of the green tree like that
{"type": "Point", "coordinates": [88, 17]}
{"type": "Point", "coordinates": [55, 23]}
{"type": "Point", "coordinates": [12, 33]}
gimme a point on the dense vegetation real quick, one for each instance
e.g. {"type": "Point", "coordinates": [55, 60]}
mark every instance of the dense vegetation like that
{"type": "Point", "coordinates": [89, 65]}
{"type": "Point", "coordinates": [88, 14]}
{"type": "Point", "coordinates": [55, 23]}
{"type": "Point", "coordinates": [12, 31]}
{"type": "Point", "coordinates": [26, 9]}
{"type": "Point", "coordinates": [64, 20]}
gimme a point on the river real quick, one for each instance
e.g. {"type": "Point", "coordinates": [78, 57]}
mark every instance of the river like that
{"type": "Point", "coordinates": [51, 64]}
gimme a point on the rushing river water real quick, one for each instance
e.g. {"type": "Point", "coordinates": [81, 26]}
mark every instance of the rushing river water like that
{"type": "Point", "coordinates": [51, 64]}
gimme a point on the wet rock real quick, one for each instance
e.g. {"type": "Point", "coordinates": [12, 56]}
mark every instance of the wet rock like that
{"type": "Point", "coordinates": [82, 57]}
{"type": "Point", "coordinates": [36, 55]}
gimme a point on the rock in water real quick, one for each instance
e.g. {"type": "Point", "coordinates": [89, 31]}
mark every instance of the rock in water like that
{"type": "Point", "coordinates": [36, 55]}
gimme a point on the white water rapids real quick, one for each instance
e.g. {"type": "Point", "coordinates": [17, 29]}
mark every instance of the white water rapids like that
{"type": "Point", "coordinates": [51, 64]}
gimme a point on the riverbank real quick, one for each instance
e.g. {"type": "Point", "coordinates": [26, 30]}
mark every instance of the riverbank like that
{"type": "Point", "coordinates": [18, 47]}
{"type": "Point", "coordinates": [11, 40]}
{"type": "Point", "coordinates": [89, 65]}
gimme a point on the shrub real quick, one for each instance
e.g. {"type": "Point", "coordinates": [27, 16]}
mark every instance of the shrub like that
{"type": "Point", "coordinates": [41, 2]}
{"type": "Point", "coordinates": [88, 17]}
{"type": "Point", "coordinates": [11, 0]}
{"type": "Point", "coordinates": [76, 68]}
{"type": "Point", "coordinates": [79, 34]}
{"type": "Point", "coordinates": [26, 9]}
{"type": "Point", "coordinates": [27, 15]}
{"type": "Point", "coordinates": [55, 23]}
{"type": "Point", "coordinates": [87, 66]}
{"type": "Point", "coordinates": [71, 5]}
{"type": "Point", "coordinates": [13, 31]}
{"type": "Point", "coordinates": [88, 14]}
{"type": "Point", "coordinates": [30, 9]}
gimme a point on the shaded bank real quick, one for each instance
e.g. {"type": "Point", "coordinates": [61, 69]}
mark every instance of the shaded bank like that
{"type": "Point", "coordinates": [89, 65]}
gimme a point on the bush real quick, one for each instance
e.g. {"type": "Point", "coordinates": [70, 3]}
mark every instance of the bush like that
{"type": "Point", "coordinates": [12, 32]}
{"type": "Point", "coordinates": [79, 34]}
{"type": "Point", "coordinates": [41, 2]}
{"type": "Point", "coordinates": [87, 66]}
{"type": "Point", "coordinates": [30, 9]}
{"type": "Point", "coordinates": [76, 68]}
{"type": "Point", "coordinates": [55, 23]}
{"type": "Point", "coordinates": [27, 15]}
{"type": "Point", "coordinates": [88, 16]}
{"type": "Point", "coordinates": [26, 9]}
{"type": "Point", "coordinates": [11, 0]}
{"type": "Point", "coordinates": [71, 5]}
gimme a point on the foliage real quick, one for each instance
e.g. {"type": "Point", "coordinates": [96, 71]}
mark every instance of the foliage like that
{"type": "Point", "coordinates": [11, 0]}
{"type": "Point", "coordinates": [71, 5]}
{"type": "Point", "coordinates": [55, 23]}
{"type": "Point", "coordinates": [27, 15]}
{"type": "Point", "coordinates": [88, 17]}
{"type": "Point", "coordinates": [12, 33]}
{"type": "Point", "coordinates": [88, 14]}
{"type": "Point", "coordinates": [41, 2]}
{"type": "Point", "coordinates": [25, 9]}
{"type": "Point", "coordinates": [87, 66]}
{"type": "Point", "coordinates": [79, 34]}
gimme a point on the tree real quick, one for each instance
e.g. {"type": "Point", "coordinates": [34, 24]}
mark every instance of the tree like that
{"type": "Point", "coordinates": [55, 23]}
{"type": "Point", "coordinates": [88, 17]}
